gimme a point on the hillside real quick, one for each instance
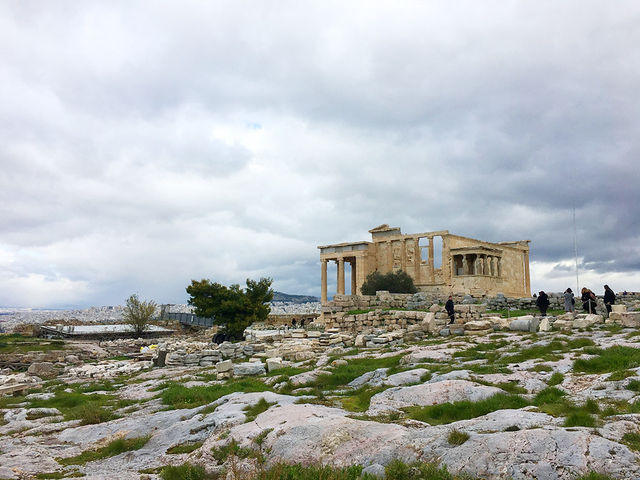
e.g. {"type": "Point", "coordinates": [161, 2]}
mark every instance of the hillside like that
{"type": "Point", "coordinates": [285, 297]}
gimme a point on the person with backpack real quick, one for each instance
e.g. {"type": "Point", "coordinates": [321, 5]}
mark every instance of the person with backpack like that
{"type": "Point", "coordinates": [569, 301]}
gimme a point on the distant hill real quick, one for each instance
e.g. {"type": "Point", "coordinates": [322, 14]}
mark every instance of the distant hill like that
{"type": "Point", "coordinates": [285, 297]}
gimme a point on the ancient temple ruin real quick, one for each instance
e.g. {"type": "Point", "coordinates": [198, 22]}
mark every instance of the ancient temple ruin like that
{"type": "Point", "coordinates": [439, 262]}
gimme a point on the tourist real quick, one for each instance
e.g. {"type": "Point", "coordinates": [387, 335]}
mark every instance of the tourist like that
{"type": "Point", "coordinates": [449, 308]}
{"type": "Point", "coordinates": [609, 298]}
{"type": "Point", "coordinates": [569, 301]}
{"type": "Point", "coordinates": [588, 300]}
{"type": "Point", "coordinates": [543, 303]}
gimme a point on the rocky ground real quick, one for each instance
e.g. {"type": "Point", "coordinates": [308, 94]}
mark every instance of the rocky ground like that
{"type": "Point", "coordinates": [549, 405]}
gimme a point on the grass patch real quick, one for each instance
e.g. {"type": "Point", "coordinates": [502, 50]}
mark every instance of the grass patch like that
{"type": "Point", "coordinates": [397, 470]}
{"type": "Point", "coordinates": [252, 411]}
{"type": "Point", "coordinates": [556, 379]}
{"type": "Point", "coordinates": [73, 474]}
{"type": "Point", "coordinates": [463, 410]}
{"type": "Point", "coordinates": [549, 352]}
{"type": "Point", "coordinates": [595, 476]}
{"type": "Point", "coordinates": [186, 471]}
{"type": "Point", "coordinates": [187, 447]}
{"type": "Point", "coordinates": [360, 399]}
{"type": "Point", "coordinates": [632, 440]}
{"type": "Point", "coordinates": [580, 419]}
{"type": "Point", "coordinates": [609, 360]}
{"type": "Point", "coordinates": [619, 407]}
{"type": "Point", "coordinates": [287, 372]}
{"type": "Point", "coordinates": [481, 351]}
{"type": "Point", "coordinates": [553, 401]}
{"type": "Point", "coordinates": [90, 409]}
{"type": "Point", "coordinates": [232, 448]}
{"type": "Point", "coordinates": [343, 374]}
{"type": "Point", "coordinates": [16, 343]}
{"type": "Point", "coordinates": [116, 447]}
{"type": "Point", "coordinates": [176, 395]}
{"type": "Point", "coordinates": [541, 367]}
{"type": "Point", "coordinates": [359, 312]}
{"type": "Point", "coordinates": [633, 385]}
{"type": "Point", "coordinates": [456, 437]}
{"type": "Point", "coordinates": [620, 375]}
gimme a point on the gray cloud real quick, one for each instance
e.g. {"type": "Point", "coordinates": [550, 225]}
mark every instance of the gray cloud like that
{"type": "Point", "coordinates": [146, 144]}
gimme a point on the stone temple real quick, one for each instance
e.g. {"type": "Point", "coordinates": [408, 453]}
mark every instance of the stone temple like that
{"type": "Point", "coordinates": [439, 263]}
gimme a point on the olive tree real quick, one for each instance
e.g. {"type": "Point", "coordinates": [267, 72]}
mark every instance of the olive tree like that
{"type": "Point", "coordinates": [393, 282]}
{"type": "Point", "coordinates": [138, 313]}
{"type": "Point", "coordinates": [232, 308]}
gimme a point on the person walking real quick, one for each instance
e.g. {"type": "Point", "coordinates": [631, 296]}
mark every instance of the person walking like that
{"type": "Point", "coordinates": [609, 298]}
{"type": "Point", "coordinates": [589, 301]}
{"type": "Point", "coordinates": [569, 301]}
{"type": "Point", "coordinates": [543, 303]}
{"type": "Point", "coordinates": [450, 310]}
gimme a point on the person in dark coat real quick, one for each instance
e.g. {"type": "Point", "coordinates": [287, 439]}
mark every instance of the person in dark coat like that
{"type": "Point", "coordinates": [588, 300]}
{"type": "Point", "coordinates": [449, 308]}
{"type": "Point", "coordinates": [543, 303]}
{"type": "Point", "coordinates": [609, 298]}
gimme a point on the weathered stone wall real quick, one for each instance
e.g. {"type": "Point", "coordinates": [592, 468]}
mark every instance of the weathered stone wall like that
{"type": "Point", "coordinates": [402, 319]}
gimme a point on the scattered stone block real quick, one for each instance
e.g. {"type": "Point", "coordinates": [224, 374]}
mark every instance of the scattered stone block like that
{"type": "Point", "coordinates": [477, 325]}
{"type": "Point", "coordinates": [545, 325]}
{"type": "Point", "coordinates": [224, 366]}
{"type": "Point", "coordinates": [563, 324]}
{"type": "Point", "coordinates": [274, 364]}
{"type": "Point", "coordinates": [587, 321]}
{"type": "Point", "coordinates": [526, 323]}
{"type": "Point", "coordinates": [247, 369]}
{"type": "Point", "coordinates": [43, 370]}
{"type": "Point", "coordinates": [618, 309]}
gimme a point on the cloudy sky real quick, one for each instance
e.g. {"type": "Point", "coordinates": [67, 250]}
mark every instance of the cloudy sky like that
{"type": "Point", "coordinates": [144, 144]}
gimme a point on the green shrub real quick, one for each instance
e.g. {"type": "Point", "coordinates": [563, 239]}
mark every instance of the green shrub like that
{"type": "Point", "coordinates": [343, 374]}
{"type": "Point", "coordinates": [113, 448]}
{"type": "Point", "coordinates": [282, 471]}
{"type": "Point", "coordinates": [186, 471]}
{"type": "Point", "coordinates": [632, 440]}
{"type": "Point", "coordinates": [580, 419]}
{"type": "Point", "coordinates": [456, 437]}
{"type": "Point", "coordinates": [595, 476]}
{"type": "Point", "coordinates": [556, 379]}
{"type": "Point", "coordinates": [634, 385]}
{"type": "Point", "coordinates": [232, 448]}
{"type": "Point", "coordinates": [252, 411]}
{"type": "Point", "coordinates": [360, 399]}
{"type": "Point", "coordinates": [609, 360]}
{"type": "Point", "coordinates": [463, 410]}
{"type": "Point", "coordinates": [178, 396]}
{"type": "Point", "coordinates": [187, 447]}
{"type": "Point", "coordinates": [394, 282]}
{"type": "Point", "coordinates": [548, 395]}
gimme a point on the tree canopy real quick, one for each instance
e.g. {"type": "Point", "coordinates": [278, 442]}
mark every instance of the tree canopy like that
{"type": "Point", "coordinates": [231, 307]}
{"type": "Point", "coordinates": [138, 313]}
{"type": "Point", "coordinates": [394, 282]}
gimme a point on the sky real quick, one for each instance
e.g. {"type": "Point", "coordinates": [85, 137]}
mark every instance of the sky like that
{"type": "Point", "coordinates": [145, 144]}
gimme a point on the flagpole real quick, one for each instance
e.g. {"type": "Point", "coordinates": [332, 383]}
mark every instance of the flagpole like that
{"type": "Point", "coordinates": [575, 249]}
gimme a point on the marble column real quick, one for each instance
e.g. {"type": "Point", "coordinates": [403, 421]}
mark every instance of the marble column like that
{"type": "Point", "coordinates": [354, 283]}
{"type": "Point", "coordinates": [323, 281]}
{"type": "Point", "coordinates": [341, 276]}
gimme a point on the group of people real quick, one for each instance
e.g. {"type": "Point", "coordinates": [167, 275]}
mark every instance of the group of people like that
{"type": "Point", "coordinates": [588, 298]}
